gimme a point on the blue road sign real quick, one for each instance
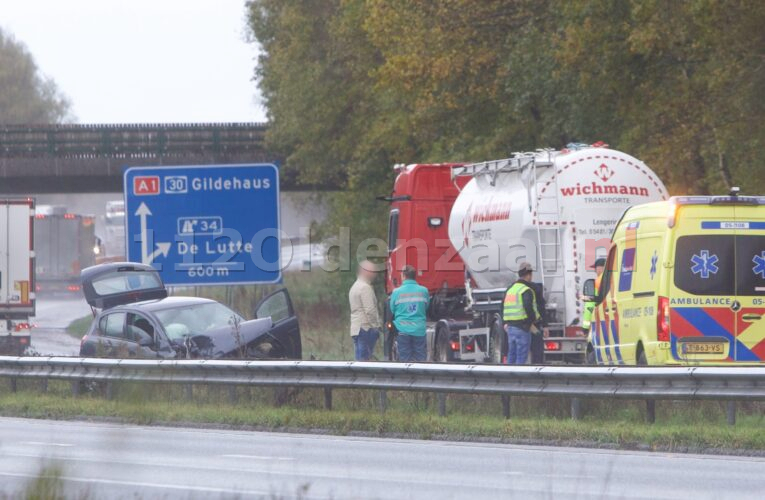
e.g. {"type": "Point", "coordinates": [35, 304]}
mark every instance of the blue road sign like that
{"type": "Point", "coordinates": [205, 225]}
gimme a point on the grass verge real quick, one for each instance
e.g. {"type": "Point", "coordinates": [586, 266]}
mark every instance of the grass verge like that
{"type": "Point", "coordinates": [79, 327]}
{"type": "Point", "coordinates": [748, 436]}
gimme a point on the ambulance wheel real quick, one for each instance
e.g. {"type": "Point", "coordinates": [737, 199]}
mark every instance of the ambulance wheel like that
{"type": "Point", "coordinates": [497, 342]}
{"type": "Point", "coordinates": [642, 360]}
{"type": "Point", "coordinates": [590, 357]}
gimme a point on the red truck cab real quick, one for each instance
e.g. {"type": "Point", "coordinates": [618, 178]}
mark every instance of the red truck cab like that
{"type": "Point", "coordinates": [421, 202]}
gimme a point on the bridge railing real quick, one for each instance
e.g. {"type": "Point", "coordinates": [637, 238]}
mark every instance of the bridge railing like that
{"type": "Point", "coordinates": [130, 140]}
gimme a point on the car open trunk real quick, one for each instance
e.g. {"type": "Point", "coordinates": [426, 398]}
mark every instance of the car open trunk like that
{"type": "Point", "coordinates": [109, 285]}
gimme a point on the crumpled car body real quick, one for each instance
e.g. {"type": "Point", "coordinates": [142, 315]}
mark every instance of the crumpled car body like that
{"type": "Point", "coordinates": [134, 317]}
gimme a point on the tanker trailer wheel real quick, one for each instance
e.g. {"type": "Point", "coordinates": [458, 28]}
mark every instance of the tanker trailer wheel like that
{"type": "Point", "coordinates": [497, 342]}
{"type": "Point", "coordinates": [391, 345]}
{"type": "Point", "coordinates": [441, 345]}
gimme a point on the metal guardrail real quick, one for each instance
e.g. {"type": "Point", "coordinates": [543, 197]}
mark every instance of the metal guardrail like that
{"type": "Point", "coordinates": [647, 383]}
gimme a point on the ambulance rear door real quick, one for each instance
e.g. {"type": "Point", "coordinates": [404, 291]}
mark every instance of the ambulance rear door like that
{"type": "Point", "coordinates": [750, 280]}
{"type": "Point", "coordinates": [702, 290]}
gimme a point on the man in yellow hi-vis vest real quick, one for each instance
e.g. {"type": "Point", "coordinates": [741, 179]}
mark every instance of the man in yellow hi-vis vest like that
{"type": "Point", "coordinates": [520, 316]}
{"type": "Point", "coordinates": [590, 302]}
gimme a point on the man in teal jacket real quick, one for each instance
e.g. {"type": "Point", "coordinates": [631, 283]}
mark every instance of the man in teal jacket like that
{"type": "Point", "coordinates": [409, 306]}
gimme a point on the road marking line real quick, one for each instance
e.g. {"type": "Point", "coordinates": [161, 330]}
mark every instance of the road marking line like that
{"type": "Point", "coordinates": [551, 474]}
{"type": "Point", "coordinates": [43, 443]}
{"type": "Point", "coordinates": [258, 457]}
{"type": "Point", "coordinates": [268, 472]}
{"type": "Point", "coordinates": [117, 482]}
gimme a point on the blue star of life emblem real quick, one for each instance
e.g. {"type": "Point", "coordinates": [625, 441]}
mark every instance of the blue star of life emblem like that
{"type": "Point", "coordinates": [759, 265]}
{"type": "Point", "coordinates": [654, 261]}
{"type": "Point", "coordinates": [704, 264]}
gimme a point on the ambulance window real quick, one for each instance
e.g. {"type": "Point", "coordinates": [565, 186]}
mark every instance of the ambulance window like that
{"type": "Point", "coordinates": [627, 267]}
{"type": "Point", "coordinates": [750, 264]}
{"type": "Point", "coordinates": [392, 230]}
{"type": "Point", "coordinates": [704, 264]}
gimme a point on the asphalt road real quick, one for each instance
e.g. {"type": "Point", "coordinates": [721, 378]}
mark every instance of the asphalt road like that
{"type": "Point", "coordinates": [117, 461]}
{"type": "Point", "coordinates": [54, 314]}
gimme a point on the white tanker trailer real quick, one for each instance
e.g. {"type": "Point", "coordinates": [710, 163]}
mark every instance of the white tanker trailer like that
{"type": "Point", "coordinates": [555, 209]}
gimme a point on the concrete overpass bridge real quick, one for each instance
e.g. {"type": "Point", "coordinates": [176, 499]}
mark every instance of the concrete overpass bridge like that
{"type": "Point", "coordinates": [85, 158]}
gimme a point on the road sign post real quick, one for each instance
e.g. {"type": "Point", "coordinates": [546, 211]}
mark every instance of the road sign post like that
{"type": "Point", "coordinates": [205, 225]}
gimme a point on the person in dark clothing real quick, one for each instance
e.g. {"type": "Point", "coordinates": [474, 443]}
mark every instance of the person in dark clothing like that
{"type": "Point", "coordinates": [538, 341]}
{"type": "Point", "coordinates": [521, 316]}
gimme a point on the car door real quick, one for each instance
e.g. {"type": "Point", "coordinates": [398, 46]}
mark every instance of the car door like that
{"type": "Point", "coordinates": [284, 337]}
{"type": "Point", "coordinates": [145, 339]}
{"type": "Point", "coordinates": [111, 341]}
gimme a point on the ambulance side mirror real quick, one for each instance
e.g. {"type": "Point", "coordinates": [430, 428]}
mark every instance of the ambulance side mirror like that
{"type": "Point", "coordinates": [588, 288]}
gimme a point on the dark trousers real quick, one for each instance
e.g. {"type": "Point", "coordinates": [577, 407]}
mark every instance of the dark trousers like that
{"type": "Point", "coordinates": [537, 349]}
{"type": "Point", "coordinates": [364, 344]}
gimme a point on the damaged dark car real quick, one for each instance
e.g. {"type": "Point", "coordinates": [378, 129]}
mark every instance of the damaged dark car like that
{"type": "Point", "coordinates": [136, 318]}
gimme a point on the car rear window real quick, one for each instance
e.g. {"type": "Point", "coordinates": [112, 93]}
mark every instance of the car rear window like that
{"type": "Point", "coordinates": [122, 281]}
{"type": "Point", "coordinates": [720, 264]}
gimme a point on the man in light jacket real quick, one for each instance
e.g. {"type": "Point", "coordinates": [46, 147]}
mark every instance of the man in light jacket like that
{"type": "Point", "coordinates": [365, 317]}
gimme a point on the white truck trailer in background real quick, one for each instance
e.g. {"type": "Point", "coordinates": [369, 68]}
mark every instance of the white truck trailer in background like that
{"type": "Point", "coordinates": [17, 277]}
{"type": "Point", "coordinates": [65, 244]}
{"type": "Point", "coordinates": [551, 208]}
{"type": "Point", "coordinates": [112, 248]}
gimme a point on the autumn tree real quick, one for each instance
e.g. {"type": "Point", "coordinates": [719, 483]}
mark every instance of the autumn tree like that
{"type": "Point", "coordinates": [353, 86]}
{"type": "Point", "coordinates": [26, 96]}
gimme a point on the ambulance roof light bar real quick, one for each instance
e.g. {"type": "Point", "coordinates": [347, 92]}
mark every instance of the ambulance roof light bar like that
{"type": "Point", "coordinates": [676, 202]}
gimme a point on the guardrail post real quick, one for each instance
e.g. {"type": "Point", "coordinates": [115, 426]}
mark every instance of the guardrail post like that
{"type": "Point", "coordinates": [232, 396]}
{"type": "Point", "coordinates": [44, 385]}
{"type": "Point", "coordinates": [383, 400]}
{"type": "Point", "coordinates": [506, 406]}
{"type": "Point", "coordinates": [576, 408]}
{"type": "Point", "coordinates": [328, 398]}
{"type": "Point", "coordinates": [731, 412]}
{"type": "Point", "coordinates": [13, 384]}
{"type": "Point", "coordinates": [188, 391]}
{"type": "Point", "coordinates": [441, 404]}
{"type": "Point", "coordinates": [109, 390]}
{"type": "Point", "coordinates": [650, 411]}
{"type": "Point", "coordinates": [76, 388]}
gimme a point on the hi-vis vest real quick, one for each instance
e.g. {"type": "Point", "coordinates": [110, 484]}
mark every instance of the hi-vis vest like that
{"type": "Point", "coordinates": [589, 307]}
{"type": "Point", "coordinates": [513, 307]}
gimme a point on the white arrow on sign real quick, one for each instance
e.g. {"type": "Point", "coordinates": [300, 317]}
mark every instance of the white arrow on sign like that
{"type": "Point", "coordinates": [162, 248]}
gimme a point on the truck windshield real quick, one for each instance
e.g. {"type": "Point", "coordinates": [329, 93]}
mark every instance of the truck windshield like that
{"type": "Point", "coordinates": [707, 264]}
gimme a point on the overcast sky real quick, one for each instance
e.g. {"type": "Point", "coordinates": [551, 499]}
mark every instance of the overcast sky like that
{"type": "Point", "coordinates": [142, 60]}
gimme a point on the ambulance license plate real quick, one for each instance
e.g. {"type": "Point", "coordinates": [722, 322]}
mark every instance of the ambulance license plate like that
{"type": "Point", "coordinates": [703, 348]}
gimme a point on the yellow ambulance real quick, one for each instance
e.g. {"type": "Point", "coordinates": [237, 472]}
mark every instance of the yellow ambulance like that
{"type": "Point", "coordinates": [684, 284]}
